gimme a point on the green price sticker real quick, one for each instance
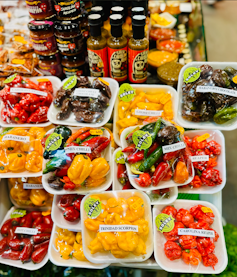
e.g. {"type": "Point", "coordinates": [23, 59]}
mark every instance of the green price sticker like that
{"type": "Point", "coordinates": [70, 83]}
{"type": "Point", "coordinates": [126, 93]}
{"type": "Point", "coordinates": [119, 157]}
{"type": "Point", "coordinates": [10, 79]}
{"type": "Point", "coordinates": [142, 140]}
{"type": "Point", "coordinates": [191, 74]}
{"type": "Point", "coordinates": [92, 207]}
{"type": "Point", "coordinates": [53, 142]}
{"type": "Point", "coordinates": [164, 223]}
{"type": "Point", "coordinates": [18, 213]}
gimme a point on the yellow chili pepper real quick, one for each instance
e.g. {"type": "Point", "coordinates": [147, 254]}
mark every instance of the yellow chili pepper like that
{"type": "Point", "coordinates": [181, 173]}
{"type": "Point", "coordinates": [16, 162]}
{"type": "Point", "coordinates": [112, 219]}
{"type": "Point", "coordinates": [143, 228]}
{"type": "Point", "coordinates": [37, 132]}
{"type": "Point", "coordinates": [137, 116]}
{"type": "Point", "coordinates": [78, 252]}
{"type": "Point", "coordinates": [10, 146]}
{"type": "Point", "coordinates": [168, 111]}
{"type": "Point", "coordinates": [38, 197]}
{"type": "Point", "coordinates": [140, 98]}
{"type": "Point", "coordinates": [66, 235]}
{"type": "Point", "coordinates": [78, 238]}
{"type": "Point", "coordinates": [140, 249]}
{"type": "Point", "coordinates": [95, 246]}
{"type": "Point", "coordinates": [80, 169]}
{"type": "Point", "coordinates": [155, 98]}
{"type": "Point", "coordinates": [116, 205]}
{"type": "Point", "coordinates": [103, 213]}
{"type": "Point", "coordinates": [92, 224]}
{"type": "Point", "coordinates": [100, 168]}
{"type": "Point", "coordinates": [92, 183]}
{"type": "Point", "coordinates": [127, 122]}
{"type": "Point", "coordinates": [119, 253]}
{"type": "Point", "coordinates": [121, 130]}
{"type": "Point", "coordinates": [18, 193]}
{"type": "Point", "coordinates": [127, 241]}
{"type": "Point", "coordinates": [108, 240]}
{"type": "Point", "coordinates": [64, 249]}
{"type": "Point", "coordinates": [149, 106]}
{"type": "Point", "coordinates": [3, 162]}
{"type": "Point", "coordinates": [122, 108]}
{"type": "Point", "coordinates": [34, 162]}
{"type": "Point", "coordinates": [18, 131]}
{"type": "Point", "coordinates": [135, 211]}
{"type": "Point", "coordinates": [165, 98]}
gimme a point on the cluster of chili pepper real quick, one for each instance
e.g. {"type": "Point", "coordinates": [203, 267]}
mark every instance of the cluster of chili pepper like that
{"type": "Point", "coordinates": [191, 249]}
{"type": "Point", "coordinates": [26, 107]}
{"type": "Point", "coordinates": [205, 174]}
{"type": "Point", "coordinates": [151, 164]}
{"type": "Point", "coordinates": [70, 205]}
{"type": "Point", "coordinates": [23, 247]}
{"type": "Point", "coordinates": [74, 170]}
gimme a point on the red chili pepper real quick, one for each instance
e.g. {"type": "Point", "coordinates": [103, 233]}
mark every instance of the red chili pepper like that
{"type": "Point", "coordinates": [26, 251]}
{"type": "Point", "coordinates": [160, 173]}
{"type": "Point", "coordinates": [9, 98]}
{"type": "Point", "coordinates": [188, 141]}
{"type": "Point", "coordinates": [5, 114]}
{"type": "Point", "coordinates": [216, 235]}
{"type": "Point", "coordinates": [11, 234]}
{"type": "Point", "coordinates": [197, 213]}
{"type": "Point", "coordinates": [185, 217]}
{"type": "Point", "coordinates": [201, 224]}
{"type": "Point", "coordinates": [144, 180]}
{"type": "Point", "coordinates": [66, 200]}
{"type": "Point", "coordinates": [130, 149]}
{"type": "Point", "coordinates": [212, 162]}
{"type": "Point", "coordinates": [39, 238]}
{"type": "Point", "coordinates": [83, 136]}
{"type": "Point", "coordinates": [3, 245]}
{"type": "Point", "coordinates": [71, 214]}
{"type": "Point", "coordinates": [212, 175]}
{"type": "Point", "coordinates": [37, 221]}
{"type": "Point", "coordinates": [198, 145]}
{"type": "Point", "coordinates": [39, 254]}
{"type": "Point", "coordinates": [6, 226]}
{"type": "Point", "coordinates": [200, 165]}
{"type": "Point", "coordinates": [173, 235]}
{"type": "Point", "coordinates": [18, 114]}
{"type": "Point", "coordinates": [16, 244]}
{"type": "Point", "coordinates": [62, 171]}
{"type": "Point", "coordinates": [94, 142]}
{"type": "Point", "coordinates": [47, 85]}
{"type": "Point", "coordinates": [122, 174]}
{"type": "Point", "coordinates": [44, 139]}
{"type": "Point", "coordinates": [69, 185]}
{"type": "Point", "coordinates": [152, 148]}
{"type": "Point", "coordinates": [28, 221]}
{"type": "Point", "coordinates": [210, 260]}
{"type": "Point", "coordinates": [171, 155]}
{"type": "Point", "coordinates": [16, 221]}
{"type": "Point", "coordinates": [40, 115]}
{"type": "Point", "coordinates": [127, 186]}
{"type": "Point", "coordinates": [46, 100]}
{"type": "Point", "coordinates": [77, 203]}
{"type": "Point", "coordinates": [71, 155]}
{"type": "Point", "coordinates": [172, 250]}
{"type": "Point", "coordinates": [96, 152]}
{"type": "Point", "coordinates": [30, 102]}
{"type": "Point", "coordinates": [44, 228]}
{"type": "Point", "coordinates": [37, 246]}
{"type": "Point", "coordinates": [23, 219]}
{"type": "Point", "coordinates": [27, 83]}
{"type": "Point", "coordinates": [47, 219]}
{"type": "Point", "coordinates": [35, 214]}
{"type": "Point", "coordinates": [168, 175]}
{"type": "Point", "coordinates": [196, 182]}
{"type": "Point", "coordinates": [212, 148]}
{"type": "Point", "coordinates": [188, 242]}
{"type": "Point", "coordinates": [187, 159]}
{"type": "Point", "coordinates": [11, 255]}
{"type": "Point", "coordinates": [191, 256]}
{"type": "Point", "coordinates": [170, 210]}
{"type": "Point", "coordinates": [135, 157]}
{"type": "Point", "coordinates": [205, 246]}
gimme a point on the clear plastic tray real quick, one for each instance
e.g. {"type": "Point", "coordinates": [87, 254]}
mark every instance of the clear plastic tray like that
{"type": "Point", "coordinates": [131, 176]}
{"type": "Point", "coordinates": [179, 265]}
{"type": "Point", "coordinates": [228, 126]}
{"type": "Point", "coordinates": [56, 82]}
{"type": "Point", "coordinates": [221, 162]}
{"type": "Point", "coordinates": [53, 111]}
{"type": "Point", "coordinates": [117, 186]}
{"type": "Point", "coordinates": [55, 258]}
{"type": "Point", "coordinates": [100, 257]}
{"type": "Point", "coordinates": [106, 154]}
{"type": "Point", "coordinates": [30, 265]}
{"type": "Point", "coordinates": [145, 88]}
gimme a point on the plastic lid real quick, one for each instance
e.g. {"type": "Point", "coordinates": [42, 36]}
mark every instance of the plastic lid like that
{"type": "Point", "coordinates": [139, 20]}
{"type": "Point", "coordinates": [98, 10]}
{"type": "Point", "coordinates": [116, 19]}
{"type": "Point", "coordinates": [94, 20]}
{"type": "Point", "coordinates": [40, 25]}
{"type": "Point", "coordinates": [73, 58]}
{"type": "Point", "coordinates": [66, 26]}
{"type": "Point", "coordinates": [51, 57]}
{"type": "Point", "coordinates": [138, 11]}
{"type": "Point", "coordinates": [117, 10]}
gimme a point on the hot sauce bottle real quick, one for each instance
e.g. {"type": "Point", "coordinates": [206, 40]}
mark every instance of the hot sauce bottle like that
{"type": "Point", "coordinates": [99, 10]}
{"type": "Point", "coordinates": [97, 48]}
{"type": "Point", "coordinates": [117, 49]}
{"type": "Point", "coordinates": [138, 47]}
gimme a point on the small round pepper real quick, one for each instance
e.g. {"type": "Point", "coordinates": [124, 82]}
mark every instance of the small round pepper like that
{"type": "Point", "coordinates": [16, 162]}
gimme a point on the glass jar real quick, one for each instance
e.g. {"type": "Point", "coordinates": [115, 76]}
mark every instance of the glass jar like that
{"type": "Point", "coordinates": [73, 65]}
{"type": "Point", "coordinates": [40, 10]}
{"type": "Point", "coordinates": [42, 37]}
{"type": "Point", "coordinates": [67, 9]}
{"type": "Point", "coordinates": [50, 65]}
{"type": "Point", "coordinates": [69, 38]}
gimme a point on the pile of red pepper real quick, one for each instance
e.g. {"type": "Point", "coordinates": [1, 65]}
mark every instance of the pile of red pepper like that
{"type": "Point", "coordinates": [70, 204]}
{"type": "Point", "coordinates": [26, 107]}
{"type": "Point", "coordinates": [191, 249]}
{"type": "Point", "coordinates": [25, 247]}
{"type": "Point", "coordinates": [205, 174]}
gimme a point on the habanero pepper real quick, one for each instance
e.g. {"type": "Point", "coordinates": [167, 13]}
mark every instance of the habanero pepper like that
{"type": "Point", "coordinates": [188, 242]}
{"type": "Point", "coordinates": [210, 260]}
{"type": "Point", "coordinates": [9, 98]}
{"type": "Point", "coordinates": [205, 246]}
{"type": "Point", "coordinates": [213, 148]}
{"type": "Point", "coordinates": [196, 182]}
{"type": "Point", "coordinates": [216, 235]}
{"type": "Point", "coordinates": [18, 114]}
{"type": "Point", "coordinates": [172, 250]}
{"type": "Point", "coordinates": [198, 145]}
{"type": "Point", "coordinates": [47, 85]}
{"type": "Point", "coordinates": [173, 234]}
{"type": "Point", "coordinates": [144, 180]}
{"type": "Point", "coordinates": [122, 174]}
{"type": "Point", "coordinates": [212, 175]}
{"type": "Point", "coordinates": [185, 217]}
{"type": "Point", "coordinates": [160, 173]}
{"type": "Point", "coordinates": [202, 164]}
{"type": "Point", "coordinates": [170, 210]}
{"type": "Point", "coordinates": [28, 101]}
{"type": "Point", "coordinates": [40, 115]}
{"type": "Point", "coordinates": [197, 213]}
{"type": "Point", "coordinates": [200, 224]}
{"type": "Point", "coordinates": [191, 256]}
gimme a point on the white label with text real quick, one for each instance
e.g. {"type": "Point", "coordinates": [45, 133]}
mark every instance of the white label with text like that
{"type": "Point", "coordinates": [85, 92]}
{"type": "Point", "coordinates": [118, 228]}
{"type": "Point", "coordinates": [77, 149]}
{"type": "Point", "coordinates": [16, 138]}
{"type": "Point", "coordinates": [32, 186]}
{"type": "Point", "coordinates": [196, 232]}
{"type": "Point", "coordinates": [173, 147]}
{"type": "Point", "coordinates": [202, 158]}
{"type": "Point", "coordinates": [148, 112]}
{"type": "Point", "coordinates": [28, 90]}
{"type": "Point", "coordinates": [226, 91]}
{"type": "Point", "coordinates": [26, 231]}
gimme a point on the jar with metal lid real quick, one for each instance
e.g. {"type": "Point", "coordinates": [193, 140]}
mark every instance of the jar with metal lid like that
{"type": "Point", "coordinates": [73, 65]}
{"type": "Point", "coordinates": [40, 10]}
{"type": "Point", "coordinates": [67, 9]}
{"type": "Point", "coordinates": [42, 37]}
{"type": "Point", "coordinates": [50, 65]}
{"type": "Point", "coordinates": [69, 38]}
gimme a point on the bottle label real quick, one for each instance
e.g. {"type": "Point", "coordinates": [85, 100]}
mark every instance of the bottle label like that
{"type": "Point", "coordinates": [70, 45]}
{"type": "Point", "coordinates": [55, 70]}
{"type": "Point", "coordinates": [43, 46]}
{"type": "Point", "coordinates": [39, 7]}
{"type": "Point", "coordinates": [67, 9]}
{"type": "Point", "coordinates": [71, 71]}
{"type": "Point", "coordinates": [98, 62]}
{"type": "Point", "coordinates": [137, 65]}
{"type": "Point", "coordinates": [118, 63]}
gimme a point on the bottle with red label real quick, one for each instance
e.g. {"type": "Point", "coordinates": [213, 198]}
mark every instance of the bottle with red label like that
{"type": "Point", "coordinates": [97, 48]}
{"type": "Point", "coordinates": [138, 47]}
{"type": "Point", "coordinates": [117, 49]}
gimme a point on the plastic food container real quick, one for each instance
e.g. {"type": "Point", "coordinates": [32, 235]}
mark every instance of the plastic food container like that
{"type": "Point", "coordinates": [221, 162]}
{"type": "Point", "coordinates": [168, 17]}
{"type": "Point", "coordinates": [179, 265]}
{"type": "Point", "coordinates": [163, 45]}
{"type": "Point", "coordinates": [55, 258]}
{"type": "Point", "coordinates": [28, 266]}
{"type": "Point", "coordinates": [168, 73]}
{"type": "Point", "coordinates": [131, 176]}
{"type": "Point", "coordinates": [147, 89]}
{"type": "Point", "coordinates": [56, 82]}
{"type": "Point", "coordinates": [58, 219]}
{"type": "Point", "coordinates": [161, 200]}
{"type": "Point", "coordinates": [228, 126]}
{"type": "Point", "coordinates": [88, 236]}
{"type": "Point", "coordinates": [161, 33]}
{"type": "Point", "coordinates": [157, 58]}
{"type": "Point", "coordinates": [53, 111]}
{"type": "Point", "coordinates": [106, 154]}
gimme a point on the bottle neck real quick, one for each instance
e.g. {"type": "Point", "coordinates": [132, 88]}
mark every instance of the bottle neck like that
{"type": "Point", "coordinates": [95, 31]}
{"type": "Point", "coordinates": [138, 32]}
{"type": "Point", "coordinates": [116, 31]}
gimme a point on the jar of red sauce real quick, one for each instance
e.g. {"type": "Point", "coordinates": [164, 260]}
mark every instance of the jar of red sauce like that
{"type": "Point", "coordinates": [51, 65]}
{"type": "Point", "coordinates": [173, 45]}
{"type": "Point", "coordinates": [73, 65]}
{"type": "Point", "coordinates": [40, 9]}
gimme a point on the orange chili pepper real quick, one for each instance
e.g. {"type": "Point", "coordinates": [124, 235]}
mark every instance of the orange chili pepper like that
{"type": "Point", "coordinates": [77, 134]}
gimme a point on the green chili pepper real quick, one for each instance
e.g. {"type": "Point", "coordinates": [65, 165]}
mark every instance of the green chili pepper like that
{"type": "Point", "coordinates": [225, 115]}
{"type": "Point", "coordinates": [153, 134]}
{"type": "Point", "coordinates": [152, 159]}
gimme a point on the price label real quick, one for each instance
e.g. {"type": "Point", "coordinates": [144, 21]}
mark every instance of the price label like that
{"type": "Point", "coordinates": [18, 213]}
{"type": "Point", "coordinates": [203, 137]}
{"type": "Point", "coordinates": [92, 207]}
{"type": "Point", "coordinates": [32, 186]}
{"type": "Point", "coordinates": [148, 112]}
{"type": "Point", "coordinates": [208, 89]}
{"type": "Point", "coordinates": [118, 228]}
{"type": "Point", "coordinates": [53, 142]}
{"type": "Point", "coordinates": [191, 74]}
{"type": "Point", "coordinates": [16, 138]}
{"type": "Point", "coordinates": [201, 158]}
{"type": "Point", "coordinates": [206, 210]}
{"type": "Point", "coordinates": [28, 90]}
{"type": "Point", "coordinates": [86, 92]}
{"type": "Point", "coordinates": [70, 83]}
{"type": "Point", "coordinates": [77, 149]}
{"type": "Point", "coordinates": [26, 231]}
{"type": "Point", "coordinates": [173, 147]}
{"type": "Point", "coordinates": [196, 232]}
{"type": "Point", "coordinates": [142, 139]}
{"type": "Point", "coordinates": [126, 93]}
{"type": "Point", "coordinates": [164, 223]}
{"type": "Point", "coordinates": [97, 132]}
